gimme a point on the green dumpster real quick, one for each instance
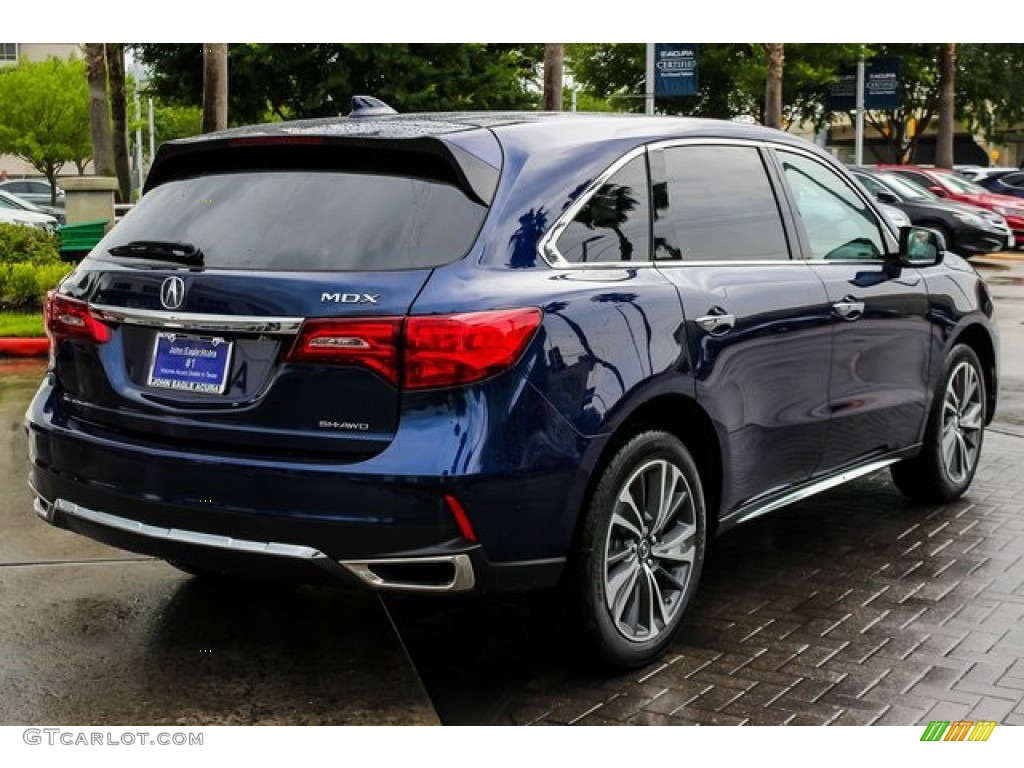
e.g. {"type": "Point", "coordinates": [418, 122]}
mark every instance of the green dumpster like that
{"type": "Point", "coordinates": [76, 240]}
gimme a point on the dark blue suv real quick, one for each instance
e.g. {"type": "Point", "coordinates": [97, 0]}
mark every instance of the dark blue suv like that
{"type": "Point", "coordinates": [471, 352]}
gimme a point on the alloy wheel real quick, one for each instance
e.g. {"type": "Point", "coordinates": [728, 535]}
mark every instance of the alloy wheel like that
{"type": "Point", "coordinates": [962, 422]}
{"type": "Point", "coordinates": [650, 549]}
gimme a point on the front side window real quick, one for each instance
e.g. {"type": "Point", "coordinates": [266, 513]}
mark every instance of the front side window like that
{"type": "Point", "coordinates": [717, 205]}
{"type": "Point", "coordinates": [838, 224]}
{"type": "Point", "coordinates": [614, 225]}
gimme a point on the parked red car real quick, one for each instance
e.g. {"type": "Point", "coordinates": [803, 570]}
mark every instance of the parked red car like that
{"type": "Point", "coordinates": [951, 185]}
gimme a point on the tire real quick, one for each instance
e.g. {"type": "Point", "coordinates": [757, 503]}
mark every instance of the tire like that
{"type": "Point", "coordinates": [949, 456]}
{"type": "Point", "coordinates": [641, 551]}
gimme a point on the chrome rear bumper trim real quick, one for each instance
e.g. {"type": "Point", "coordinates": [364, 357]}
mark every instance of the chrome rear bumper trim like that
{"type": "Point", "coordinates": [462, 579]}
{"type": "Point", "coordinates": [186, 321]}
{"type": "Point", "coordinates": [273, 548]}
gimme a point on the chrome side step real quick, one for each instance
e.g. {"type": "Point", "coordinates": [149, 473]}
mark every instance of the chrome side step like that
{"type": "Point", "coordinates": [432, 573]}
{"type": "Point", "coordinates": [764, 506]}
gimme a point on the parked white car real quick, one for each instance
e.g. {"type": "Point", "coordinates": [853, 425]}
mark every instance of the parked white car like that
{"type": "Point", "coordinates": [15, 203]}
{"type": "Point", "coordinates": [28, 218]}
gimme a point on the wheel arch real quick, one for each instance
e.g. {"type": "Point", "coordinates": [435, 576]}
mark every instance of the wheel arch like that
{"type": "Point", "coordinates": [978, 338]}
{"type": "Point", "coordinates": [682, 417]}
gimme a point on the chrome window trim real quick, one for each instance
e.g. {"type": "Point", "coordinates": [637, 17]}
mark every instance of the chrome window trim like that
{"type": "Point", "coordinates": [282, 326]}
{"type": "Point", "coordinates": [549, 252]}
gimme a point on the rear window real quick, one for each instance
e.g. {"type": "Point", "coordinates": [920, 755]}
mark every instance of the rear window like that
{"type": "Point", "coordinates": [307, 220]}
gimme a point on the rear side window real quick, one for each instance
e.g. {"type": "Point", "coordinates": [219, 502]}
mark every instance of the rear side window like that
{"type": "Point", "coordinates": [307, 220]}
{"type": "Point", "coordinates": [717, 205]}
{"type": "Point", "coordinates": [614, 225]}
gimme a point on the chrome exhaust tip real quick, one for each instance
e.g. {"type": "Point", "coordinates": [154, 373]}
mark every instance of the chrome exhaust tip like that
{"type": "Point", "coordinates": [440, 573]}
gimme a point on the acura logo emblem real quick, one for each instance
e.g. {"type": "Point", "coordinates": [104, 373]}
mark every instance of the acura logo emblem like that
{"type": "Point", "coordinates": [172, 292]}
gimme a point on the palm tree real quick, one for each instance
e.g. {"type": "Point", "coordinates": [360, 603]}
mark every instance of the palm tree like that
{"type": "Point", "coordinates": [554, 59]}
{"type": "Point", "coordinates": [775, 54]}
{"type": "Point", "coordinates": [99, 109]}
{"type": "Point", "coordinates": [215, 87]}
{"type": "Point", "coordinates": [947, 88]}
{"type": "Point", "coordinates": [118, 110]}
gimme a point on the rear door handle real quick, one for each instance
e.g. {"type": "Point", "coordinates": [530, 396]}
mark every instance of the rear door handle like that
{"type": "Point", "coordinates": [849, 308]}
{"type": "Point", "coordinates": [717, 322]}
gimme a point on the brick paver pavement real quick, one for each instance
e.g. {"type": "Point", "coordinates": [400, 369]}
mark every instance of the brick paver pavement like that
{"type": "Point", "coordinates": [852, 607]}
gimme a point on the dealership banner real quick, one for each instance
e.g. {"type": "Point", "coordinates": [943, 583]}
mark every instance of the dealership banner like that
{"type": "Point", "coordinates": [881, 86]}
{"type": "Point", "coordinates": [675, 69]}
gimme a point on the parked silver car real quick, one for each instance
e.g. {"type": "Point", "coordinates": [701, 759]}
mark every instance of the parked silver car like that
{"type": "Point", "coordinates": [34, 190]}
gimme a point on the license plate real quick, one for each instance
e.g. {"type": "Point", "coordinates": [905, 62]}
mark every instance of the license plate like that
{"type": "Point", "coordinates": [190, 363]}
{"type": "Point", "coordinates": [1010, 242]}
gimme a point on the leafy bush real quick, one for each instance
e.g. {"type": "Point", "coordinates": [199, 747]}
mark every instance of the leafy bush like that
{"type": "Point", "coordinates": [21, 244]}
{"type": "Point", "coordinates": [24, 285]}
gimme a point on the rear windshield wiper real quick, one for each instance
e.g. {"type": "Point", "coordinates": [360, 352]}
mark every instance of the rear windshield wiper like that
{"type": "Point", "coordinates": [160, 250]}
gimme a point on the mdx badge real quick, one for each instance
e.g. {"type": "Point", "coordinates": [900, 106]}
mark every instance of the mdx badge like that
{"type": "Point", "coordinates": [172, 292]}
{"type": "Point", "coordinates": [349, 298]}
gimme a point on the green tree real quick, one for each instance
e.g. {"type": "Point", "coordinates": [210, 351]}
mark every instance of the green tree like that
{"type": "Point", "coordinates": [986, 85]}
{"type": "Point", "coordinates": [732, 78]}
{"type": "Point", "coordinates": [291, 81]}
{"type": "Point", "coordinates": [174, 122]}
{"type": "Point", "coordinates": [45, 115]}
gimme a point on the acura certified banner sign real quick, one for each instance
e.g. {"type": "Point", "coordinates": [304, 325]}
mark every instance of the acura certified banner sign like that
{"type": "Point", "coordinates": [675, 69]}
{"type": "Point", "coordinates": [881, 86]}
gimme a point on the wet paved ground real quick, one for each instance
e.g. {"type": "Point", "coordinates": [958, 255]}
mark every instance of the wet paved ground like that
{"type": "Point", "coordinates": [851, 607]}
{"type": "Point", "coordinates": [93, 635]}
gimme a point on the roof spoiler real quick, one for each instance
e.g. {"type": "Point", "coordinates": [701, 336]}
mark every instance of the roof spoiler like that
{"type": "Point", "coordinates": [368, 106]}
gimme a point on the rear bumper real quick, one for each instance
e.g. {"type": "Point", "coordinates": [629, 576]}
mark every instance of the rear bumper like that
{"type": "Point", "coordinates": [363, 524]}
{"type": "Point", "coordinates": [452, 569]}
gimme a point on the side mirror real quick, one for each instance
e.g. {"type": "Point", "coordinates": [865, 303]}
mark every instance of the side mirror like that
{"type": "Point", "coordinates": [921, 247]}
{"type": "Point", "coordinates": [937, 190]}
{"type": "Point", "coordinates": [884, 196]}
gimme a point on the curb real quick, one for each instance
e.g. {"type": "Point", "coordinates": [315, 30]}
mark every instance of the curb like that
{"type": "Point", "coordinates": [16, 347]}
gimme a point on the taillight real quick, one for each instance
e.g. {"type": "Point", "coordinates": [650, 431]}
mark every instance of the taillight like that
{"type": "Point", "coordinates": [372, 344]}
{"type": "Point", "coordinates": [447, 350]}
{"type": "Point", "coordinates": [432, 351]}
{"type": "Point", "coordinates": [68, 318]}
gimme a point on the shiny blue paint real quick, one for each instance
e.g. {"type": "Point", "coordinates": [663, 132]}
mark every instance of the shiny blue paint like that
{"type": "Point", "coordinates": [522, 449]}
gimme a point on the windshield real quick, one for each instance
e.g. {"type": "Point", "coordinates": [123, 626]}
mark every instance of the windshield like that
{"type": "Point", "coordinates": [306, 220]}
{"type": "Point", "coordinates": [960, 184]}
{"type": "Point", "coordinates": [905, 188]}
